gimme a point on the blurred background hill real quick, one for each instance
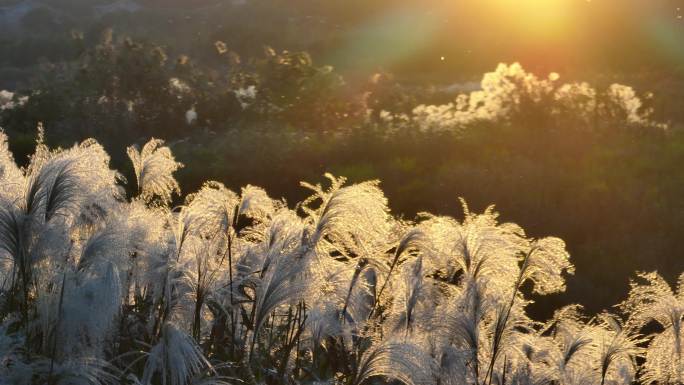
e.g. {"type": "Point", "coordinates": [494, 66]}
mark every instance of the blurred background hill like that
{"type": "Point", "coordinates": [417, 40]}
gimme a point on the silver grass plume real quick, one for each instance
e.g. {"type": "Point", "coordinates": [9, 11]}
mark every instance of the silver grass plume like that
{"type": "Point", "coordinates": [651, 299]}
{"type": "Point", "coordinates": [154, 166]}
{"type": "Point", "coordinates": [280, 283]}
{"type": "Point", "coordinates": [348, 216]}
{"type": "Point", "coordinates": [212, 209]}
{"type": "Point", "coordinates": [175, 358]}
{"type": "Point", "coordinates": [395, 360]}
{"type": "Point", "coordinates": [11, 177]}
{"type": "Point", "coordinates": [618, 347]}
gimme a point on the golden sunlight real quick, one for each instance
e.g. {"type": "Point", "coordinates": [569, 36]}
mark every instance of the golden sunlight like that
{"type": "Point", "coordinates": [534, 19]}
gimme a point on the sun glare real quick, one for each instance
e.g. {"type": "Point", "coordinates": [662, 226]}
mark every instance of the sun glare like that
{"type": "Point", "coordinates": [534, 19]}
